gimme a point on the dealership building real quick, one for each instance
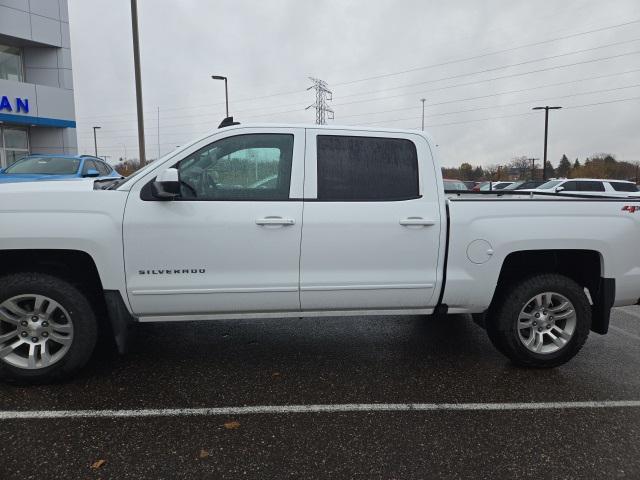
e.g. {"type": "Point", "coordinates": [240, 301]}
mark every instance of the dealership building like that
{"type": "Point", "coordinates": [37, 113]}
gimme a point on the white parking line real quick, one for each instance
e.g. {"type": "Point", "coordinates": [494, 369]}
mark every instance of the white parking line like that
{"type": "Point", "coordinates": [337, 408]}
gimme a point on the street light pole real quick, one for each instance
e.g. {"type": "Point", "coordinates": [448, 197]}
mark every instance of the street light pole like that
{"type": "Point", "coordinates": [226, 90]}
{"type": "Point", "coordinates": [546, 134]}
{"type": "Point", "coordinates": [423, 100]}
{"type": "Point", "coordinates": [95, 141]}
{"type": "Point", "coordinates": [138, 77]}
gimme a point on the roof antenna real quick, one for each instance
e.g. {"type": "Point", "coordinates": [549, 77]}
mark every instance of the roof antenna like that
{"type": "Point", "coordinates": [227, 122]}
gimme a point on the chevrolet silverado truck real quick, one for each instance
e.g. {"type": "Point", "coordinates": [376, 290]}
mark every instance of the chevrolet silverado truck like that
{"type": "Point", "coordinates": [264, 221]}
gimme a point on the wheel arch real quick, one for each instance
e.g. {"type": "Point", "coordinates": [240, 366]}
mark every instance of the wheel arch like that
{"type": "Point", "coordinates": [78, 268]}
{"type": "Point", "coordinates": [585, 267]}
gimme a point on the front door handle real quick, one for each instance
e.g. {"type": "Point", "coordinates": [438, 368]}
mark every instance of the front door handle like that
{"type": "Point", "coordinates": [275, 221]}
{"type": "Point", "coordinates": [416, 221]}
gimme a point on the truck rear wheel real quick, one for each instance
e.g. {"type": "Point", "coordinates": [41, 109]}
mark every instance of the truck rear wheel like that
{"type": "Point", "coordinates": [48, 329]}
{"type": "Point", "coordinates": [542, 321]}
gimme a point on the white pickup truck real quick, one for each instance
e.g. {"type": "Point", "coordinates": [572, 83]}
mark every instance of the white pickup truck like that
{"type": "Point", "coordinates": [256, 221]}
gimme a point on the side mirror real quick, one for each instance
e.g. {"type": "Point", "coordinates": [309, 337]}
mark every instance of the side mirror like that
{"type": "Point", "coordinates": [559, 189]}
{"type": "Point", "coordinates": [167, 185]}
{"type": "Point", "coordinates": [92, 172]}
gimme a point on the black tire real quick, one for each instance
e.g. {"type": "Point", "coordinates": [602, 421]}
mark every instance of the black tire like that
{"type": "Point", "coordinates": [502, 321]}
{"type": "Point", "coordinates": [85, 326]}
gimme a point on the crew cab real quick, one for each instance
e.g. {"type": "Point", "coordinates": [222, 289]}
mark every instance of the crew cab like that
{"type": "Point", "coordinates": [265, 221]}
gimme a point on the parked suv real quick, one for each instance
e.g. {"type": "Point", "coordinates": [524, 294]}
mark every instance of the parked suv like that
{"type": "Point", "coordinates": [591, 186]}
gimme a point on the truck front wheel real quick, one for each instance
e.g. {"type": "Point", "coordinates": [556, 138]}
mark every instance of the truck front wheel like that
{"type": "Point", "coordinates": [542, 321]}
{"type": "Point", "coordinates": [48, 329]}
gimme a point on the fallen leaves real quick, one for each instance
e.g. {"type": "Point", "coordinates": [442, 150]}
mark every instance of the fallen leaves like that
{"type": "Point", "coordinates": [233, 425]}
{"type": "Point", "coordinates": [97, 464]}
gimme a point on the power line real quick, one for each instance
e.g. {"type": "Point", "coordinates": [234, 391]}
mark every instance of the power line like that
{"type": "Point", "coordinates": [475, 82]}
{"type": "Point", "coordinates": [454, 123]}
{"type": "Point", "coordinates": [635, 52]}
{"type": "Point", "coordinates": [446, 87]}
{"type": "Point", "coordinates": [292, 92]}
{"type": "Point", "coordinates": [495, 94]}
{"type": "Point", "coordinates": [580, 80]}
{"type": "Point", "coordinates": [496, 52]}
{"type": "Point", "coordinates": [477, 109]}
{"type": "Point", "coordinates": [504, 116]}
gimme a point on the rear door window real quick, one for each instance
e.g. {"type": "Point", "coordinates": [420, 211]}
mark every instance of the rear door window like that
{"type": "Point", "coordinates": [366, 168]}
{"type": "Point", "coordinates": [588, 186]}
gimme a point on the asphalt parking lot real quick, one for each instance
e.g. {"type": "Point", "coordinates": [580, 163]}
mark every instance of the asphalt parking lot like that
{"type": "Point", "coordinates": [386, 363]}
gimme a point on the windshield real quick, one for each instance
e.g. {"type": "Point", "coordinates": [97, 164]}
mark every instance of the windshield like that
{"type": "Point", "coordinates": [454, 185]}
{"type": "Point", "coordinates": [513, 186]}
{"type": "Point", "coordinates": [45, 166]}
{"type": "Point", "coordinates": [494, 186]}
{"type": "Point", "coordinates": [149, 166]}
{"type": "Point", "coordinates": [551, 184]}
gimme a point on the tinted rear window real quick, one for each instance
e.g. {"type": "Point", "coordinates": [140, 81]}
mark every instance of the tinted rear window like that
{"type": "Point", "coordinates": [366, 168]}
{"type": "Point", "coordinates": [590, 186]}
{"type": "Point", "coordinates": [624, 187]}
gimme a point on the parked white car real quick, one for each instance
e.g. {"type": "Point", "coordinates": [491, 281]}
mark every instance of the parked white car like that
{"type": "Point", "coordinates": [266, 221]}
{"type": "Point", "coordinates": [590, 186]}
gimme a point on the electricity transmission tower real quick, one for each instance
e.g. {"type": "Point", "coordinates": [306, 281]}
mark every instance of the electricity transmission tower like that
{"type": "Point", "coordinates": [323, 95]}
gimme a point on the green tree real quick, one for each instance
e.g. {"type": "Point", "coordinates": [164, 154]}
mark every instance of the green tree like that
{"type": "Point", "coordinates": [564, 167]}
{"type": "Point", "coordinates": [550, 171]}
{"type": "Point", "coordinates": [466, 170]}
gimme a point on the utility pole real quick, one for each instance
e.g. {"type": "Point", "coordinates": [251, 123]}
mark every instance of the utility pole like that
{"type": "Point", "coordinates": [95, 141]}
{"type": "Point", "coordinates": [546, 133]}
{"type": "Point", "coordinates": [323, 95]}
{"type": "Point", "coordinates": [138, 77]}
{"type": "Point", "coordinates": [226, 90]}
{"type": "Point", "coordinates": [533, 167]}
{"type": "Point", "coordinates": [423, 100]}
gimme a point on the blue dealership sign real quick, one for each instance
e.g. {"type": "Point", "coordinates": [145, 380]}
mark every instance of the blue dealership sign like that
{"type": "Point", "coordinates": [21, 105]}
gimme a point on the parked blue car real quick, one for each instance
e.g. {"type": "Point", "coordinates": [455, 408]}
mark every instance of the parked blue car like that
{"type": "Point", "coordinates": [34, 168]}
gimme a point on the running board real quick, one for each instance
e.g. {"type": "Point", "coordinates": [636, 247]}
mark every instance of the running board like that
{"type": "Point", "coordinates": [271, 315]}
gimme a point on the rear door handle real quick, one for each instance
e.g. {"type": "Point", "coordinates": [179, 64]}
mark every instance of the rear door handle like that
{"type": "Point", "coordinates": [416, 221]}
{"type": "Point", "coordinates": [275, 221]}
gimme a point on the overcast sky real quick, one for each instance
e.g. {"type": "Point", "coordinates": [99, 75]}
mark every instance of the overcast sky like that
{"type": "Point", "coordinates": [379, 57]}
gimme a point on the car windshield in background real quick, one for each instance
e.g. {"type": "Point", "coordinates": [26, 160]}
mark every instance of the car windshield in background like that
{"type": "Point", "coordinates": [454, 185]}
{"type": "Point", "coordinates": [45, 166]}
{"type": "Point", "coordinates": [513, 186]}
{"type": "Point", "coordinates": [524, 185]}
{"type": "Point", "coordinates": [549, 185]}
